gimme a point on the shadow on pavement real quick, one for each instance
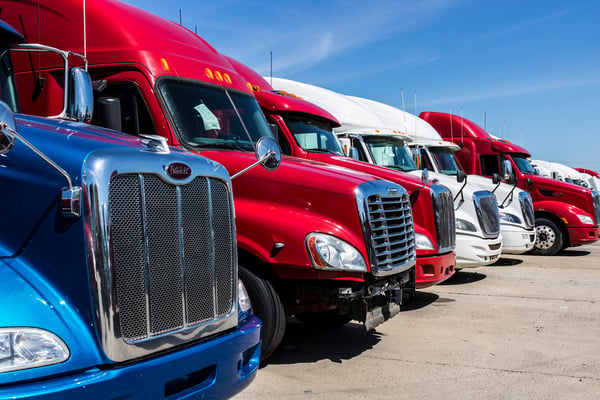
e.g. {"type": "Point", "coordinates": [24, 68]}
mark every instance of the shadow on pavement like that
{"type": "Point", "coordinates": [418, 300]}
{"type": "Point", "coordinates": [462, 277]}
{"type": "Point", "coordinates": [505, 262]}
{"type": "Point", "coordinates": [304, 343]}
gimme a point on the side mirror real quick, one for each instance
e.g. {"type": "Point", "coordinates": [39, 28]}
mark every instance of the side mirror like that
{"type": "Point", "coordinates": [416, 154]}
{"type": "Point", "coordinates": [354, 153]}
{"type": "Point", "coordinates": [81, 96]}
{"type": "Point", "coordinates": [424, 176]}
{"type": "Point", "coordinates": [506, 170]}
{"type": "Point", "coordinates": [268, 153]}
{"type": "Point", "coordinates": [495, 179]}
{"type": "Point", "coordinates": [7, 124]}
{"type": "Point", "coordinates": [460, 176]}
{"type": "Point", "coordinates": [529, 183]}
{"type": "Point", "coordinates": [274, 130]}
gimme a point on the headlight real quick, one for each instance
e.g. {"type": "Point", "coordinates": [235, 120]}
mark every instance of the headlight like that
{"type": "Point", "coordinates": [23, 348]}
{"type": "Point", "coordinates": [243, 298]}
{"type": "Point", "coordinates": [423, 242]}
{"type": "Point", "coordinates": [585, 219]}
{"type": "Point", "coordinates": [510, 218]}
{"type": "Point", "coordinates": [330, 253]}
{"type": "Point", "coordinates": [463, 225]}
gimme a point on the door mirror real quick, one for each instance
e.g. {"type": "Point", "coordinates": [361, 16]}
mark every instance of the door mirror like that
{"type": "Point", "coordinates": [506, 170]}
{"type": "Point", "coordinates": [416, 153]}
{"type": "Point", "coordinates": [81, 96]}
{"type": "Point", "coordinates": [8, 124]}
{"type": "Point", "coordinates": [495, 179]}
{"type": "Point", "coordinates": [460, 176]}
{"type": "Point", "coordinates": [354, 153]}
{"type": "Point", "coordinates": [268, 153]}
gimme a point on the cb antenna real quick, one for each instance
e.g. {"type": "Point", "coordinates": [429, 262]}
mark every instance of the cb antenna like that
{"type": "Point", "coordinates": [451, 133]}
{"type": "Point", "coordinates": [271, 52]}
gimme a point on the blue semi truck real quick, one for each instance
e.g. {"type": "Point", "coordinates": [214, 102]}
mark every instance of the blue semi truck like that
{"type": "Point", "coordinates": [118, 265]}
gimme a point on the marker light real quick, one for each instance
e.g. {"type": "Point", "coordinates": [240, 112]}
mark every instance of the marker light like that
{"type": "Point", "coordinates": [209, 73]}
{"type": "Point", "coordinates": [165, 64]}
{"type": "Point", "coordinates": [218, 76]}
{"type": "Point", "coordinates": [227, 78]}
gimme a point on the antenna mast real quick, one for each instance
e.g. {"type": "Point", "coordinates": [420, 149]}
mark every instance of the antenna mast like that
{"type": "Point", "coordinates": [84, 33]}
{"type": "Point", "coordinates": [271, 52]}
{"type": "Point", "coordinates": [451, 133]}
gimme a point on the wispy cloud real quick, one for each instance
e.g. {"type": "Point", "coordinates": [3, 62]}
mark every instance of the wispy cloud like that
{"type": "Point", "coordinates": [524, 25]}
{"type": "Point", "coordinates": [511, 89]}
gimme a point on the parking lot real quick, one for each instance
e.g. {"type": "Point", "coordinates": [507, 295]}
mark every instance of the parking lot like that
{"type": "Point", "coordinates": [527, 327]}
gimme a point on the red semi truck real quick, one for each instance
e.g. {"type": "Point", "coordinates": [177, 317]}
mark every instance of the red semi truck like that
{"type": "Point", "coordinates": [324, 244]}
{"type": "Point", "coordinates": [305, 131]}
{"type": "Point", "coordinates": [565, 214]}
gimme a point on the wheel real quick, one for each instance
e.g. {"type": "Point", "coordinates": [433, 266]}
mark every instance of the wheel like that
{"type": "Point", "coordinates": [549, 238]}
{"type": "Point", "coordinates": [267, 305]}
{"type": "Point", "coordinates": [325, 319]}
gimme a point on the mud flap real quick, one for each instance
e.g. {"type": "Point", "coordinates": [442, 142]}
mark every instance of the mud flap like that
{"type": "Point", "coordinates": [378, 315]}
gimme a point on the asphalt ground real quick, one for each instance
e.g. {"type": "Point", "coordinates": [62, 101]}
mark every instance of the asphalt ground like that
{"type": "Point", "coordinates": [527, 327]}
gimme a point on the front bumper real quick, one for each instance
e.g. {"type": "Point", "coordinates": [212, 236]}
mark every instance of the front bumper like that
{"type": "Point", "coordinates": [517, 240]}
{"type": "Point", "coordinates": [475, 251]}
{"type": "Point", "coordinates": [217, 368]}
{"type": "Point", "coordinates": [432, 270]}
{"type": "Point", "coordinates": [579, 236]}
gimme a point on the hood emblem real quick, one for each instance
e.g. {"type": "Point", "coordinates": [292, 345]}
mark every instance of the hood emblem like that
{"type": "Point", "coordinates": [179, 171]}
{"type": "Point", "coordinates": [392, 191]}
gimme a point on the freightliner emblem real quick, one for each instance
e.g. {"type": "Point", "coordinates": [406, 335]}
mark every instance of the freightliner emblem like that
{"type": "Point", "coordinates": [179, 171]}
{"type": "Point", "coordinates": [392, 191]}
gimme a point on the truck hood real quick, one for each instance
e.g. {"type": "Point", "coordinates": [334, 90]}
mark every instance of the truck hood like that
{"type": "Point", "coordinates": [541, 182]}
{"type": "Point", "coordinates": [293, 171]}
{"type": "Point", "coordinates": [31, 188]}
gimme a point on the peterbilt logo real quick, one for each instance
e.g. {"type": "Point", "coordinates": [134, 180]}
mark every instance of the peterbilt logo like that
{"type": "Point", "coordinates": [178, 171]}
{"type": "Point", "coordinates": [392, 191]}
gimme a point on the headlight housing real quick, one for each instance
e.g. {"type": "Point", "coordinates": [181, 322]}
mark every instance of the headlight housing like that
{"type": "Point", "coordinates": [330, 253]}
{"type": "Point", "coordinates": [585, 219]}
{"type": "Point", "coordinates": [423, 242]}
{"type": "Point", "coordinates": [24, 348]}
{"type": "Point", "coordinates": [463, 225]}
{"type": "Point", "coordinates": [510, 218]}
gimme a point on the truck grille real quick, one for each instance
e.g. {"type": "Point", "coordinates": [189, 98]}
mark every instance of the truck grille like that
{"type": "Point", "coordinates": [445, 222]}
{"type": "Point", "coordinates": [527, 209]}
{"type": "Point", "coordinates": [488, 213]}
{"type": "Point", "coordinates": [596, 198]}
{"type": "Point", "coordinates": [389, 229]}
{"type": "Point", "coordinates": [172, 253]}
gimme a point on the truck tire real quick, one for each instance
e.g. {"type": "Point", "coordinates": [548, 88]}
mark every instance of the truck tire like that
{"type": "Point", "coordinates": [325, 319]}
{"type": "Point", "coordinates": [549, 238]}
{"type": "Point", "coordinates": [267, 305]}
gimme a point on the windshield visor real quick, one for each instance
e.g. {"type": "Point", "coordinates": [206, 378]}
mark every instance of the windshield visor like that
{"type": "Point", "coordinates": [213, 117]}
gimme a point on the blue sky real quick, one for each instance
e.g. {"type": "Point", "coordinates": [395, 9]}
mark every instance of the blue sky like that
{"type": "Point", "coordinates": [527, 70]}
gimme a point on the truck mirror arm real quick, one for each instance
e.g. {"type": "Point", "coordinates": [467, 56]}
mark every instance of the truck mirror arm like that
{"type": "Point", "coordinates": [268, 155]}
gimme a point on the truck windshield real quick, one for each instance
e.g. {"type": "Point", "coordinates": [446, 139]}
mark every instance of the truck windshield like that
{"type": "Point", "coordinates": [444, 160]}
{"type": "Point", "coordinates": [523, 164]}
{"type": "Point", "coordinates": [390, 152]}
{"type": "Point", "coordinates": [8, 89]}
{"type": "Point", "coordinates": [313, 136]}
{"type": "Point", "coordinates": [213, 117]}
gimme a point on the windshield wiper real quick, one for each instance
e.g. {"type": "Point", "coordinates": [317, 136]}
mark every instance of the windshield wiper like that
{"type": "Point", "coordinates": [396, 167]}
{"type": "Point", "coordinates": [326, 151]}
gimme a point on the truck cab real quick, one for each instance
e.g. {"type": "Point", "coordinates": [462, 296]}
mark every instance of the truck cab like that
{"type": "Point", "coordinates": [432, 152]}
{"type": "Point", "coordinates": [565, 214]}
{"type": "Point", "coordinates": [305, 131]}
{"type": "Point", "coordinates": [309, 236]}
{"type": "Point", "coordinates": [478, 238]}
{"type": "Point", "coordinates": [98, 301]}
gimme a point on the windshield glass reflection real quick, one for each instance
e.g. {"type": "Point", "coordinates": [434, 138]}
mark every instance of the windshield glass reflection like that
{"type": "Point", "coordinates": [212, 117]}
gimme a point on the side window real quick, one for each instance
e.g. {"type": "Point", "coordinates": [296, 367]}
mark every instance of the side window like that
{"type": "Point", "coordinates": [135, 116]}
{"type": "Point", "coordinates": [489, 165]}
{"type": "Point", "coordinates": [361, 153]}
{"type": "Point", "coordinates": [281, 139]}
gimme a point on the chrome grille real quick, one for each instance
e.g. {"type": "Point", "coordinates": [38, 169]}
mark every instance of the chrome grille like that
{"type": "Point", "coordinates": [488, 213]}
{"type": "Point", "coordinates": [389, 228]}
{"type": "Point", "coordinates": [445, 222]}
{"type": "Point", "coordinates": [596, 199]}
{"type": "Point", "coordinates": [527, 209]}
{"type": "Point", "coordinates": [172, 253]}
